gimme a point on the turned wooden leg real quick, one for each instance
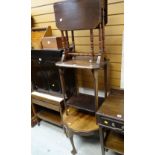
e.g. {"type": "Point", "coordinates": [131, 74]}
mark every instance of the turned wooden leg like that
{"type": "Point", "coordinates": [69, 134]}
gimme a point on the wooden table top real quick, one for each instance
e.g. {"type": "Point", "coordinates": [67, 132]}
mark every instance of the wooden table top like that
{"type": "Point", "coordinates": [113, 107]}
{"type": "Point", "coordinates": [79, 121]}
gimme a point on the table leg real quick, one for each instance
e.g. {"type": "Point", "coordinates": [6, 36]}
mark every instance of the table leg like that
{"type": "Point", "coordinates": [101, 132]}
{"type": "Point", "coordinates": [95, 76]}
{"type": "Point", "coordinates": [62, 80]}
{"type": "Point", "coordinates": [70, 134]}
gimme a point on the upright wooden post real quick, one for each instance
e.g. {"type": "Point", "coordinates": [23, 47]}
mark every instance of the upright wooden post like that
{"type": "Point", "coordinates": [92, 44]}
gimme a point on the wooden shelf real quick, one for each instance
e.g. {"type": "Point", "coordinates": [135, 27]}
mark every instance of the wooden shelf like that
{"type": "Point", "coordinates": [84, 102]}
{"type": "Point", "coordinates": [115, 142]}
{"type": "Point", "coordinates": [52, 117]}
{"type": "Point", "coordinates": [82, 64]}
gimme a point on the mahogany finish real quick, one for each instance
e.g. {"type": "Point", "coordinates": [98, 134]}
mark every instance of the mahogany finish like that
{"type": "Point", "coordinates": [113, 107]}
{"type": "Point", "coordinates": [77, 14]}
{"type": "Point", "coordinates": [84, 102]}
{"type": "Point", "coordinates": [82, 64]}
{"type": "Point", "coordinates": [110, 118]}
{"type": "Point", "coordinates": [81, 15]}
{"type": "Point", "coordinates": [80, 121]}
{"type": "Point", "coordinates": [115, 142]}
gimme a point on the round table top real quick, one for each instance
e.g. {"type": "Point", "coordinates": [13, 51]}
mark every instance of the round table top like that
{"type": "Point", "coordinates": [79, 121]}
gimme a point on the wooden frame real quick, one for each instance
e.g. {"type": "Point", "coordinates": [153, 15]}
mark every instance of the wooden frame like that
{"type": "Point", "coordinates": [71, 16]}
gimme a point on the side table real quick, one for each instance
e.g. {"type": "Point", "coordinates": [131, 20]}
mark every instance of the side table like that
{"type": "Point", "coordinates": [110, 118]}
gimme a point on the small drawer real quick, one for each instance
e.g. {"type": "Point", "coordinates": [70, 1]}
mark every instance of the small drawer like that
{"type": "Point", "coordinates": [111, 124]}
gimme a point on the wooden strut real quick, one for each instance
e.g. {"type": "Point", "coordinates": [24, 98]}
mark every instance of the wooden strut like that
{"type": "Point", "coordinates": [100, 39]}
{"type": "Point", "coordinates": [95, 76]}
{"type": "Point", "coordinates": [102, 31]}
{"type": "Point", "coordinates": [92, 44]}
{"type": "Point", "coordinates": [64, 46]}
{"type": "Point", "coordinates": [83, 54]}
{"type": "Point", "coordinates": [67, 40]}
{"type": "Point", "coordinates": [73, 41]}
{"type": "Point", "coordinates": [61, 73]}
{"type": "Point", "coordinates": [105, 80]}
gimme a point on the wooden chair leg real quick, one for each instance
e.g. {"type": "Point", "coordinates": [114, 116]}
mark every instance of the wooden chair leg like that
{"type": "Point", "coordinates": [70, 134]}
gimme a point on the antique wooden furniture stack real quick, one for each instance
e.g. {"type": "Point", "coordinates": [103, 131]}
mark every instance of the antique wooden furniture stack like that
{"type": "Point", "coordinates": [79, 114]}
{"type": "Point", "coordinates": [47, 99]}
{"type": "Point", "coordinates": [110, 118]}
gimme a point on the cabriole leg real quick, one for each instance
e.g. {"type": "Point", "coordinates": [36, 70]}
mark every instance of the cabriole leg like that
{"type": "Point", "coordinates": [69, 134]}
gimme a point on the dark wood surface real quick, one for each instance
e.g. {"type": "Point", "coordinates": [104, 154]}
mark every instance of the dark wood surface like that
{"type": "Point", "coordinates": [71, 16]}
{"type": "Point", "coordinates": [110, 117]}
{"type": "Point", "coordinates": [84, 102]}
{"type": "Point", "coordinates": [77, 14]}
{"type": "Point", "coordinates": [115, 142]}
{"type": "Point", "coordinates": [45, 75]}
{"type": "Point", "coordinates": [113, 107]}
{"type": "Point", "coordinates": [82, 64]}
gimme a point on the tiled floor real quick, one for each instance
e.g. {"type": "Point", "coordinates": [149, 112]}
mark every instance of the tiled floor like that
{"type": "Point", "coordinates": [48, 139]}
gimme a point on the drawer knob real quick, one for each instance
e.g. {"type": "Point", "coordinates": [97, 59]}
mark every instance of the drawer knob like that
{"type": "Point", "coordinates": [106, 122]}
{"type": "Point", "coordinates": [40, 59]}
{"type": "Point", "coordinates": [113, 124]}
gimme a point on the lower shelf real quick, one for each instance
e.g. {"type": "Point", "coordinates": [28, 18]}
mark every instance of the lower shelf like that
{"type": "Point", "coordinates": [51, 117]}
{"type": "Point", "coordinates": [115, 142]}
{"type": "Point", "coordinates": [84, 102]}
